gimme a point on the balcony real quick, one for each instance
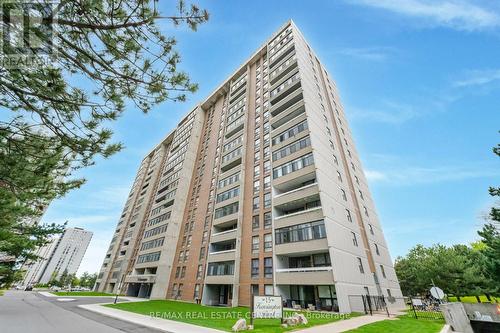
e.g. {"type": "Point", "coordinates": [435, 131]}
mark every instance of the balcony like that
{"type": "Point", "coordinates": [237, 93]}
{"type": "Point", "coordinates": [219, 279]}
{"type": "Point", "coordinates": [230, 163]}
{"type": "Point", "coordinates": [304, 247]}
{"type": "Point", "coordinates": [282, 88]}
{"type": "Point", "coordinates": [226, 220]}
{"type": "Point", "coordinates": [140, 278]}
{"type": "Point", "coordinates": [294, 179]}
{"type": "Point", "coordinates": [305, 276]}
{"type": "Point", "coordinates": [307, 215]}
{"type": "Point", "coordinates": [226, 255]}
{"type": "Point", "coordinates": [284, 68]}
{"type": "Point", "coordinates": [299, 195]}
{"type": "Point", "coordinates": [223, 236]}
{"type": "Point", "coordinates": [281, 53]}
{"type": "Point", "coordinates": [288, 114]}
{"type": "Point", "coordinates": [287, 101]}
{"type": "Point", "coordinates": [234, 127]}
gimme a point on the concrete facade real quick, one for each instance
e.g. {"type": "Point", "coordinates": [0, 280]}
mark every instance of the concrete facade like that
{"type": "Point", "coordinates": [63, 253]}
{"type": "Point", "coordinates": [274, 200]}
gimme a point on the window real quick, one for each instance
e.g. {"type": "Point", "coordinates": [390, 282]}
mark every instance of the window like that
{"type": "Point", "coordinates": [199, 272]}
{"type": "Point", "coordinates": [267, 166]}
{"type": "Point", "coordinates": [268, 268]}
{"type": "Point", "coordinates": [183, 272]}
{"type": "Point", "coordinates": [256, 171]}
{"type": "Point", "coordinates": [229, 180]}
{"type": "Point", "coordinates": [267, 220]}
{"type": "Point", "coordinates": [389, 294]}
{"type": "Point", "coordinates": [255, 268]}
{"type": "Point", "coordinates": [354, 239]}
{"type": "Point", "coordinates": [268, 290]}
{"type": "Point", "coordinates": [267, 200]}
{"type": "Point", "coordinates": [360, 265]}
{"type": "Point", "coordinates": [344, 196]}
{"type": "Point", "coordinates": [348, 214]}
{"type": "Point", "coordinates": [177, 272]}
{"type": "Point", "coordinates": [383, 271]}
{"type": "Point", "coordinates": [291, 148]}
{"type": "Point", "coordinates": [196, 294]}
{"type": "Point", "coordinates": [371, 229]}
{"type": "Point", "coordinates": [292, 166]}
{"type": "Point", "coordinates": [377, 251]}
{"type": "Point", "coordinates": [255, 244]}
{"type": "Point", "coordinates": [366, 210]}
{"type": "Point", "coordinates": [339, 176]}
{"type": "Point", "coordinates": [155, 256]}
{"type": "Point", "coordinates": [220, 268]}
{"type": "Point", "coordinates": [228, 194]}
{"type": "Point", "coordinates": [226, 210]}
{"type": "Point", "coordinates": [256, 156]}
{"type": "Point", "coordinates": [256, 186]}
{"type": "Point", "coordinates": [202, 253]}
{"type": "Point", "coordinates": [300, 232]}
{"type": "Point", "coordinates": [268, 242]}
{"type": "Point", "coordinates": [360, 194]}
{"type": "Point", "coordinates": [256, 203]}
{"type": "Point", "coordinates": [267, 182]}
{"type": "Point", "coordinates": [255, 222]}
{"type": "Point", "coordinates": [290, 132]}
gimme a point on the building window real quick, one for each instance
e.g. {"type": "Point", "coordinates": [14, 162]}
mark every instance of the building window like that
{"type": "Point", "coordinates": [199, 272]}
{"type": "Point", "coordinates": [371, 229]}
{"type": "Point", "coordinates": [255, 268]}
{"type": "Point", "coordinates": [196, 294]}
{"type": "Point", "coordinates": [183, 272]}
{"type": "Point", "coordinates": [226, 210]}
{"type": "Point", "coordinates": [202, 253]}
{"type": "Point", "coordinates": [267, 166]}
{"type": "Point", "coordinates": [255, 244]}
{"type": "Point", "coordinates": [268, 268]}
{"type": "Point", "coordinates": [256, 186]}
{"type": "Point", "coordinates": [301, 232]}
{"type": "Point", "coordinates": [256, 171]}
{"type": "Point", "coordinates": [267, 220]}
{"type": "Point", "coordinates": [267, 200]}
{"type": "Point", "coordinates": [360, 265]}
{"type": "Point", "coordinates": [177, 272]}
{"type": "Point", "coordinates": [348, 214]}
{"type": "Point", "coordinates": [377, 251]}
{"type": "Point", "coordinates": [294, 165]}
{"type": "Point", "coordinates": [256, 203]}
{"type": "Point", "coordinates": [220, 268]}
{"type": "Point", "coordinates": [339, 176]}
{"type": "Point", "coordinates": [344, 196]}
{"type": "Point", "coordinates": [383, 271]}
{"type": "Point", "coordinates": [268, 290]}
{"type": "Point", "coordinates": [267, 182]}
{"type": "Point", "coordinates": [354, 239]}
{"type": "Point", "coordinates": [268, 242]}
{"type": "Point", "coordinates": [366, 210]}
{"type": "Point", "coordinates": [255, 222]}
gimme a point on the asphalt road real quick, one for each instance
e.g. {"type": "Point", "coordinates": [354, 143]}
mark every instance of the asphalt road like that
{"type": "Point", "coordinates": [30, 312]}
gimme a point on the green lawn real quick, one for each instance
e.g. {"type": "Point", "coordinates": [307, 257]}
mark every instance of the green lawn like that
{"type": "Point", "coordinates": [403, 324]}
{"type": "Point", "coordinates": [80, 293]}
{"type": "Point", "coordinates": [219, 317]}
{"type": "Point", "coordinates": [472, 299]}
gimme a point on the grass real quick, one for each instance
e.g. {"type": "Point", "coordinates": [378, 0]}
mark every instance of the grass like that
{"type": "Point", "coordinates": [80, 293]}
{"type": "Point", "coordinates": [220, 318]}
{"type": "Point", "coordinates": [472, 299]}
{"type": "Point", "coordinates": [1, 292]}
{"type": "Point", "coordinates": [403, 324]}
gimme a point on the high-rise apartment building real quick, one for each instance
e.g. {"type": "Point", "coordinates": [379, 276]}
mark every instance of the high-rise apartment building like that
{"type": "Point", "coordinates": [63, 253]}
{"type": "Point", "coordinates": [259, 190]}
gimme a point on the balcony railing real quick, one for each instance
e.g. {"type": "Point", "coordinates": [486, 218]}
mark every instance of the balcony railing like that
{"type": "Point", "coordinates": [304, 269]}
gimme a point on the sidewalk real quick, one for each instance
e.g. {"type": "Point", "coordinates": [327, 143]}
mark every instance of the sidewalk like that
{"type": "Point", "coordinates": [157, 323]}
{"type": "Point", "coordinates": [130, 299]}
{"type": "Point", "coordinates": [346, 325]}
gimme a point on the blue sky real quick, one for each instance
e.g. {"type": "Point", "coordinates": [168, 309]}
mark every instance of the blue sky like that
{"type": "Point", "coordinates": [420, 84]}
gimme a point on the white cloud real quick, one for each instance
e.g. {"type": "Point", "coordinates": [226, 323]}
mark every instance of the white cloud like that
{"type": "Point", "coordinates": [378, 54]}
{"type": "Point", "coordinates": [405, 175]}
{"type": "Point", "coordinates": [478, 78]}
{"type": "Point", "coordinates": [457, 14]}
{"type": "Point", "coordinates": [389, 113]}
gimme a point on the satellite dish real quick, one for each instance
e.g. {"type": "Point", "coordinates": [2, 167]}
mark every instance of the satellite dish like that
{"type": "Point", "coordinates": [437, 293]}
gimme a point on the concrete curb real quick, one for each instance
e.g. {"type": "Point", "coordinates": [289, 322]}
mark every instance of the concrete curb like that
{"type": "Point", "coordinates": [156, 323]}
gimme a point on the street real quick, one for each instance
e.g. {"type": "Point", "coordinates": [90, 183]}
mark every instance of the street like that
{"type": "Point", "coordinates": [30, 312]}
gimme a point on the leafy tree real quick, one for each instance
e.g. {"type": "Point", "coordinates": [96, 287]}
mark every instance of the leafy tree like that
{"type": "Point", "coordinates": [75, 281]}
{"type": "Point", "coordinates": [88, 280]}
{"type": "Point", "coordinates": [65, 278]}
{"type": "Point", "coordinates": [109, 53]}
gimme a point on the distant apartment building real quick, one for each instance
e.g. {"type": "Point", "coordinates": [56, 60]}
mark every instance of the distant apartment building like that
{"type": "Point", "coordinates": [258, 190]}
{"type": "Point", "coordinates": [63, 253]}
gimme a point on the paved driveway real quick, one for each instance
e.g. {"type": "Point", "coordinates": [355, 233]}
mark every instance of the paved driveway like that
{"type": "Point", "coordinates": [29, 312]}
